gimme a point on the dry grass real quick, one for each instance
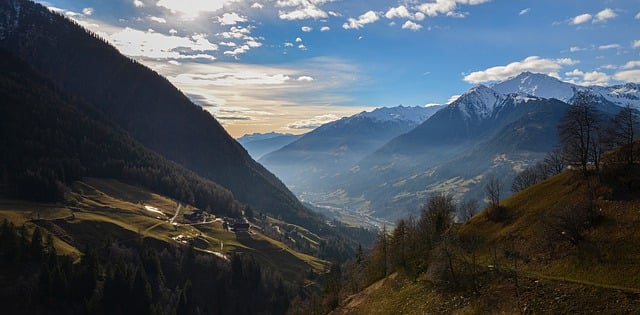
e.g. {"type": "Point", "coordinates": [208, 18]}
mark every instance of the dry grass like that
{"type": "Point", "coordinates": [100, 210]}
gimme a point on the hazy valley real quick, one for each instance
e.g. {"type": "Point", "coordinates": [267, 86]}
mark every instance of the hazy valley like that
{"type": "Point", "coordinates": [122, 190]}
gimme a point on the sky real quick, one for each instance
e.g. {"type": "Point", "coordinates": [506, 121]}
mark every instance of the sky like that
{"type": "Point", "coordinates": [291, 65]}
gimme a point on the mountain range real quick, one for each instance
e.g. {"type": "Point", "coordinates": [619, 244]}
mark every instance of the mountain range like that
{"type": "Point", "coordinates": [489, 131]}
{"type": "Point", "coordinates": [334, 147]}
{"type": "Point", "coordinates": [259, 144]}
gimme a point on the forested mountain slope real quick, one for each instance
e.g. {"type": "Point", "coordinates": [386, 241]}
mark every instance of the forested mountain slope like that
{"type": "Point", "coordinates": [142, 103]}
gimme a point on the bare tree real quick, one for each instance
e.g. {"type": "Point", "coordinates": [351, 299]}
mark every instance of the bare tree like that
{"type": "Point", "coordinates": [555, 162]}
{"type": "Point", "coordinates": [623, 131]}
{"type": "Point", "coordinates": [437, 215]}
{"type": "Point", "coordinates": [468, 209]}
{"type": "Point", "coordinates": [528, 177]}
{"type": "Point", "coordinates": [579, 131]}
{"type": "Point", "coordinates": [493, 190]}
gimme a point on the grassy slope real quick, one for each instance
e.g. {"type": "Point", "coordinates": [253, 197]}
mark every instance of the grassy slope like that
{"type": "Point", "coordinates": [101, 209]}
{"type": "Point", "coordinates": [609, 255]}
{"type": "Point", "coordinates": [599, 275]}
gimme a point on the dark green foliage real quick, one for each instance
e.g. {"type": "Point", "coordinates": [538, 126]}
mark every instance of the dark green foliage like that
{"type": "Point", "coordinates": [54, 140]}
{"type": "Point", "coordinates": [104, 285]}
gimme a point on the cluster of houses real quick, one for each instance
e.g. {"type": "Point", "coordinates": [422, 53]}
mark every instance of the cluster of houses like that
{"type": "Point", "coordinates": [231, 224]}
{"type": "Point", "coordinates": [194, 216]}
{"type": "Point", "coordinates": [236, 225]}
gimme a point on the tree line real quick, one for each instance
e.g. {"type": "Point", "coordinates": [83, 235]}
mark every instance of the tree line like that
{"type": "Point", "coordinates": [130, 278]}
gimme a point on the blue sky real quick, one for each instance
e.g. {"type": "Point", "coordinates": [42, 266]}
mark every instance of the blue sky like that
{"type": "Point", "coordinates": [289, 65]}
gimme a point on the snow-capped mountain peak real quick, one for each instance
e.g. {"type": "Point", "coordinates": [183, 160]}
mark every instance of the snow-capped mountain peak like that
{"type": "Point", "coordinates": [481, 101]}
{"type": "Point", "coordinates": [536, 84]}
{"type": "Point", "coordinates": [621, 95]}
{"type": "Point", "coordinates": [415, 114]}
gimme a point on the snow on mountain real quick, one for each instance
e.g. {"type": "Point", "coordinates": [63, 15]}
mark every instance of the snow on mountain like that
{"type": "Point", "coordinates": [479, 102]}
{"type": "Point", "coordinates": [536, 84]}
{"type": "Point", "coordinates": [415, 114]}
{"type": "Point", "coordinates": [620, 95]}
{"type": "Point", "coordinates": [544, 86]}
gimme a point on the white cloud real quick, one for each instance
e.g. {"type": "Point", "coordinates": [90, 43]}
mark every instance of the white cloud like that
{"type": "Point", "coordinates": [628, 76]}
{"type": "Point", "coordinates": [138, 3]}
{"type": "Point", "coordinates": [226, 79]}
{"type": "Point", "coordinates": [589, 78]}
{"type": "Point", "coordinates": [257, 5]}
{"type": "Point", "coordinates": [173, 31]}
{"type": "Point", "coordinates": [314, 122]}
{"type": "Point", "coordinates": [582, 18]}
{"type": "Point", "coordinates": [157, 19]}
{"type": "Point", "coordinates": [87, 11]}
{"type": "Point", "coordinates": [399, 12]}
{"type": "Point", "coordinates": [367, 18]}
{"type": "Point", "coordinates": [237, 32]}
{"type": "Point", "coordinates": [231, 18]}
{"type": "Point", "coordinates": [524, 11]}
{"type": "Point", "coordinates": [635, 44]}
{"type": "Point", "coordinates": [446, 7]}
{"type": "Point", "coordinates": [304, 12]}
{"type": "Point", "coordinates": [576, 49]}
{"type": "Point", "coordinates": [272, 97]}
{"type": "Point", "coordinates": [403, 12]}
{"type": "Point", "coordinates": [253, 43]}
{"type": "Point", "coordinates": [532, 63]}
{"type": "Point", "coordinates": [609, 46]}
{"type": "Point", "coordinates": [632, 64]}
{"type": "Point", "coordinates": [302, 47]}
{"type": "Point", "coordinates": [410, 25]}
{"type": "Point", "coordinates": [604, 15]}
{"type": "Point", "coordinates": [228, 44]}
{"type": "Point", "coordinates": [288, 44]}
{"type": "Point", "coordinates": [306, 29]}
{"type": "Point", "coordinates": [453, 98]}
{"type": "Point", "coordinates": [305, 78]}
{"type": "Point", "coordinates": [638, 16]}
{"type": "Point", "coordinates": [325, 29]}
{"type": "Point", "coordinates": [459, 15]}
{"type": "Point", "coordinates": [192, 8]}
{"type": "Point", "coordinates": [298, 40]}
{"type": "Point", "coordinates": [150, 44]}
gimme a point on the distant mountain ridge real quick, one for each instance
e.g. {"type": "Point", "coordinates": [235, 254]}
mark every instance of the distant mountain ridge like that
{"type": "Point", "coordinates": [544, 86]}
{"type": "Point", "coordinates": [415, 114]}
{"type": "Point", "coordinates": [336, 146]}
{"type": "Point", "coordinates": [259, 144]}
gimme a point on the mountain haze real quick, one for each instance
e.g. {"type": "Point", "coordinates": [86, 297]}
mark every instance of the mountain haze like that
{"type": "Point", "coordinates": [260, 144]}
{"type": "Point", "coordinates": [332, 148]}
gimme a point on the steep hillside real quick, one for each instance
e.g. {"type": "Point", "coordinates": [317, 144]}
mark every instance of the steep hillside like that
{"type": "Point", "coordinates": [142, 103]}
{"type": "Point", "coordinates": [565, 245]}
{"type": "Point", "coordinates": [145, 251]}
{"type": "Point", "coordinates": [570, 227]}
{"type": "Point", "coordinates": [50, 140]}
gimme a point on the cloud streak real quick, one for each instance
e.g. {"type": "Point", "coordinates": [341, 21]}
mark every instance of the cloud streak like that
{"type": "Point", "coordinates": [532, 63]}
{"type": "Point", "coordinates": [367, 18]}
